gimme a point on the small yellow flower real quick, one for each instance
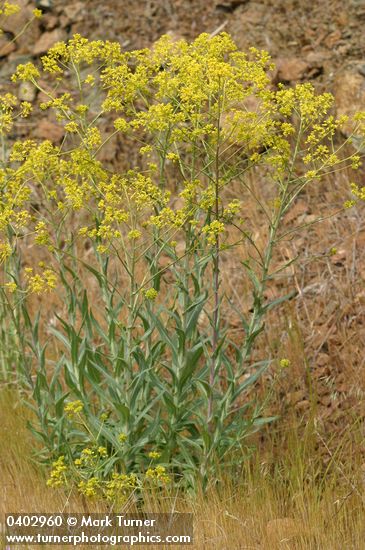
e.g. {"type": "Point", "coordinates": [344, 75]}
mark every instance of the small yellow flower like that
{"type": "Point", "coordinates": [134, 234]}
{"type": "Point", "coordinates": [37, 13]}
{"type": "Point", "coordinates": [57, 476]}
{"type": "Point", "coordinates": [25, 109]}
{"type": "Point", "coordinates": [101, 248]}
{"type": "Point", "coordinates": [157, 474]}
{"type": "Point", "coordinates": [10, 9]}
{"type": "Point", "coordinates": [349, 204]}
{"type": "Point", "coordinates": [172, 156]}
{"type": "Point", "coordinates": [284, 363]}
{"type": "Point", "coordinates": [154, 454]}
{"type": "Point", "coordinates": [212, 231]}
{"type": "Point", "coordinates": [11, 287]}
{"type": "Point", "coordinates": [311, 174]}
{"type": "Point", "coordinates": [90, 79]}
{"type": "Point", "coordinates": [73, 408]}
{"type": "Point", "coordinates": [103, 452]}
{"type": "Point", "coordinates": [71, 127]}
{"type": "Point", "coordinates": [121, 125]}
{"type": "Point", "coordinates": [27, 71]}
{"type": "Point", "coordinates": [87, 452]}
{"type": "Point", "coordinates": [151, 294]}
{"type": "Point", "coordinates": [122, 437]}
{"type": "Point", "coordinates": [90, 487]}
{"type": "Point", "coordinates": [5, 251]}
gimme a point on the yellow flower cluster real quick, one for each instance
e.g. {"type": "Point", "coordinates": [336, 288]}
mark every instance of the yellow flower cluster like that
{"type": "Point", "coordinates": [40, 283]}
{"type": "Point", "coordinates": [42, 236]}
{"type": "Point", "coordinates": [120, 486]}
{"type": "Point", "coordinates": [151, 294]}
{"type": "Point", "coordinates": [8, 9]}
{"type": "Point", "coordinates": [11, 286]}
{"type": "Point", "coordinates": [73, 408]}
{"type": "Point", "coordinates": [57, 476]}
{"type": "Point", "coordinates": [158, 474]}
{"type": "Point", "coordinates": [358, 191]}
{"type": "Point", "coordinates": [5, 251]}
{"type": "Point", "coordinates": [154, 455]}
{"type": "Point", "coordinates": [116, 489]}
{"type": "Point", "coordinates": [26, 71]}
{"type": "Point", "coordinates": [87, 457]}
{"type": "Point", "coordinates": [213, 230]}
{"type": "Point", "coordinates": [284, 363]}
{"type": "Point", "coordinates": [8, 102]}
{"type": "Point", "coordinates": [89, 488]}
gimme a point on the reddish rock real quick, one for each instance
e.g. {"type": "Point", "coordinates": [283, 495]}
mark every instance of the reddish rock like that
{"type": "Point", "coordinates": [47, 40]}
{"type": "Point", "coordinates": [49, 21]}
{"type": "Point", "coordinates": [349, 92]}
{"type": "Point", "coordinates": [49, 130]}
{"type": "Point", "coordinates": [254, 14]}
{"type": "Point", "coordinates": [291, 69]}
{"type": "Point", "coordinates": [6, 46]}
{"type": "Point", "coordinates": [73, 12]}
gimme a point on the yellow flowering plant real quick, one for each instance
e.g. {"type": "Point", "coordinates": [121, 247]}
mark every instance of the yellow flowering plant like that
{"type": "Point", "coordinates": [201, 118]}
{"type": "Point", "coordinates": [100, 471]}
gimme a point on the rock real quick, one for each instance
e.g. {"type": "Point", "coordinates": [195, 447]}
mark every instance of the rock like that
{"type": "Point", "coordinates": [316, 61]}
{"type": "Point", "coordinates": [6, 45]}
{"type": "Point", "coordinates": [284, 528]}
{"type": "Point", "coordinates": [27, 91]}
{"type": "Point", "coordinates": [50, 21]}
{"type": "Point", "coordinates": [47, 40]}
{"type": "Point", "coordinates": [44, 4]}
{"type": "Point", "coordinates": [291, 69]}
{"type": "Point", "coordinates": [230, 6]}
{"type": "Point", "coordinates": [349, 93]}
{"type": "Point", "coordinates": [255, 14]}
{"type": "Point", "coordinates": [49, 130]}
{"type": "Point", "coordinates": [9, 68]}
{"type": "Point", "coordinates": [44, 96]}
{"type": "Point", "coordinates": [73, 11]}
